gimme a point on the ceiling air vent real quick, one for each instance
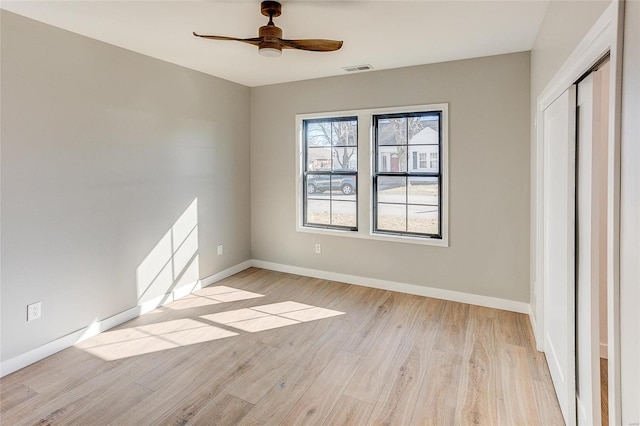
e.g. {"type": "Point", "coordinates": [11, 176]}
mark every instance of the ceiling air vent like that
{"type": "Point", "coordinates": [353, 68]}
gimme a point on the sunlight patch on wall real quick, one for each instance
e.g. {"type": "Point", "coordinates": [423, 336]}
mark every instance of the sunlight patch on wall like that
{"type": "Point", "coordinates": [144, 339]}
{"type": "Point", "coordinates": [266, 317]}
{"type": "Point", "coordinates": [174, 261]}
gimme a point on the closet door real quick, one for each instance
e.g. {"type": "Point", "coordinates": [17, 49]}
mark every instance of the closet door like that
{"type": "Point", "coordinates": [559, 248]}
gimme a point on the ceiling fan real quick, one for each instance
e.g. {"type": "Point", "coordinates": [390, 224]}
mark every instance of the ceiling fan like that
{"type": "Point", "coordinates": [270, 41]}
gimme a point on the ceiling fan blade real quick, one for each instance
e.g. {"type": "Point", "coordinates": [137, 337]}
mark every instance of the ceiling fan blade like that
{"type": "Point", "coordinates": [254, 41]}
{"type": "Point", "coordinates": [315, 45]}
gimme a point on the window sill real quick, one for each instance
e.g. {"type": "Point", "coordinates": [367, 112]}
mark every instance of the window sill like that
{"type": "Point", "coordinates": [368, 235]}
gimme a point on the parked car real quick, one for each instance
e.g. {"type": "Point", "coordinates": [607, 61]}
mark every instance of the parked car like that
{"type": "Point", "coordinates": [346, 184]}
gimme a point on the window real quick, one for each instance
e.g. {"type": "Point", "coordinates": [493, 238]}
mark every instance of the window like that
{"type": "Point", "coordinates": [331, 173]}
{"type": "Point", "coordinates": [433, 160]}
{"type": "Point", "coordinates": [423, 160]}
{"type": "Point", "coordinates": [406, 200]}
{"type": "Point", "coordinates": [388, 181]}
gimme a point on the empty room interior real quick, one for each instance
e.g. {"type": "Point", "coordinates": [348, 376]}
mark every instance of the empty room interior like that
{"type": "Point", "coordinates": [320, 212]}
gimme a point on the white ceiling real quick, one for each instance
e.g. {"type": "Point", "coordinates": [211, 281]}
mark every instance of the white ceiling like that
{"type": "Point", "coordinates": [385, 34]}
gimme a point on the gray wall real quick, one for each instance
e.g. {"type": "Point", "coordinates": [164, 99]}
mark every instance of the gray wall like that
{"type": "Point", "coordinates": [489, 175]}
{"type": "Point", "coordinates": [565, 24]}
{"type": "Point", "coordinates": [103, 150]}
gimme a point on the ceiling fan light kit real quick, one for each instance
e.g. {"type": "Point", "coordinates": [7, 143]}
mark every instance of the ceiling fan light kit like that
{"type": "Point", "coordinates": [270, 42]}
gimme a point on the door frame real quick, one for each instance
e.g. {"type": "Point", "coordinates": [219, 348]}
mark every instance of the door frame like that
{"type": "Point", "coordinates": [604, 37]}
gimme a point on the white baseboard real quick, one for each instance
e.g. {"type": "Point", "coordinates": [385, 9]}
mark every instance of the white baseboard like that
{"type": "Point", "coordinates": [41, 352]}
{"type": "Point", "coordinates": [436, 293]}
{"type": "Point", "coordinates": [226, 273]}
{"type": "Point", "coordinates": [604, 351]}
{"type": "Point", "coordinates": [534, 327]}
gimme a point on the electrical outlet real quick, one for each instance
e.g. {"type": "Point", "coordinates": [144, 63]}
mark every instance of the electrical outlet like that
{"type": "Point", "coordinates": [34, 311]}
{"type": "Point", "coordinates": [220, 250]}
{"type": "Point", "coordinates": [318, 249]}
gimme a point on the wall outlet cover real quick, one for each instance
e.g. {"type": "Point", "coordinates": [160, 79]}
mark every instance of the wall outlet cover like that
{"type": "Point", "coordinates": [34, 311]}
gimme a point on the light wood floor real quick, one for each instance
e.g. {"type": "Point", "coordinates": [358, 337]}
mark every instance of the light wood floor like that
{"type": "Point", "coordinates": [604, 390]}
{"type": "Point", "coordinates": [349, 355]}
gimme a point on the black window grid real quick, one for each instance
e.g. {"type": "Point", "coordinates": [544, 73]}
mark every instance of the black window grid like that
{"type": "Point", "coordinates": [406, 174]}
{"type": "Point", "coordinates": [329, 173]}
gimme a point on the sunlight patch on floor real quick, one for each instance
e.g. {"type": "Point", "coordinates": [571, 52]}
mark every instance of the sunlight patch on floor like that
{"type": "Point", "coordinates": [144, 339]}
{"type": "Point", "coordinates": [212, 296]}
{"type": "Point", "coordinates": [266, 317]}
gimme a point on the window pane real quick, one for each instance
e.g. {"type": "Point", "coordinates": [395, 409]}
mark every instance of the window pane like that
{"type": "Point", "coordinates": [331, 151]}
{"type": "Point", "coordinates": [392, 217]}
{"type": "Point", "coordinates": [407, 172]}
{"type": "Point", "coordinates": [345, 133]}
{"type": "Point", "coordinates": [392, 131]}
{"type": "Point", "coordinates": [318, 159]}
{"type": "Point", "coordinates": [343, 188]}
{"type": "Point", "coordinates": [319, 133]}
{"type": "Point", "coordinates": [392, 189]}
{"type": "Point", "coordinates": [423, 129]}
{"type": "Point", "coordinates": [345, 158]}
{"type": "Point", "coordinates": [344, 213]}
{"type": "Point", "coordinates": [423, 190]}
{"type": "Point", "coordinates": [423, 219]}
{"type": "Point", "coordinates": [317, 184]}
{"type": "Point", "coordinates": [318, 212]}
{"type": "Point", "coordinates": [392, 159]}
{"type": "Point", "coordinates": [427, 156]}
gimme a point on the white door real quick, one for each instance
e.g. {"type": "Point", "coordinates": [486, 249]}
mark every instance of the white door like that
{"type": "Point", "coordinates": [592, 179]}
{"type": "Point", "coordinates": [559, 248]}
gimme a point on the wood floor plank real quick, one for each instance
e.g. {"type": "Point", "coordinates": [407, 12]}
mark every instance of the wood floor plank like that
{"type": "Point", "coordinates": [517, 389]}
{"type": "Point", "coordinates": [547, 404]}
{"type": "Point", "coordinates": [14, 394]}
{"type": "Point", "coordinates": [254, 385]}
{"type": "Point", "coordinates": [318, 401]}
{"type": "Point", "coordinates": [436, 403]}
{"type": "Point", "coordinates": [358, 303]}
{"type": "Point", "coordinates": [283, 395]}
{"type": "Point", "coordinates": [68, 404]}
{"type": "Point", "coordinates": [372, 375]}
{"type": "Point", "coordinates": [349, 412]}
{"type": "Point", "coordinates": [222, 410]}
{"type": "Point", "coordinates": [110, 404]}
{"type": "Point", "coordinates": [177, 402]}
{"type": "Point", "coordinates": [397, 400]}
{"type": "Point", "coordinates": [477, 396]}
{"type": "Point", "coordinates": [367, 334]}
{"type": "Point", "coordinates": [604, 390]}
{"type": "Point", "coordinates": [456, 313]}
{"type": "Point", "coordinates": [453, 329]}
{"type": "Point", "coordinates": [351, 355]}
{"type": "Point", "coordinates": [58, 372]}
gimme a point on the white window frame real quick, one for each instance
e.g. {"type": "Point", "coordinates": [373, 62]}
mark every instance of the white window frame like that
{"type": "Point", "coordinates": [366, 156]}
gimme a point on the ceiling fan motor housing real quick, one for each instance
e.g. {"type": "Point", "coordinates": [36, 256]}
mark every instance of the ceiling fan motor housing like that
{"type": "Point", "coordinates": [271, 36]}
